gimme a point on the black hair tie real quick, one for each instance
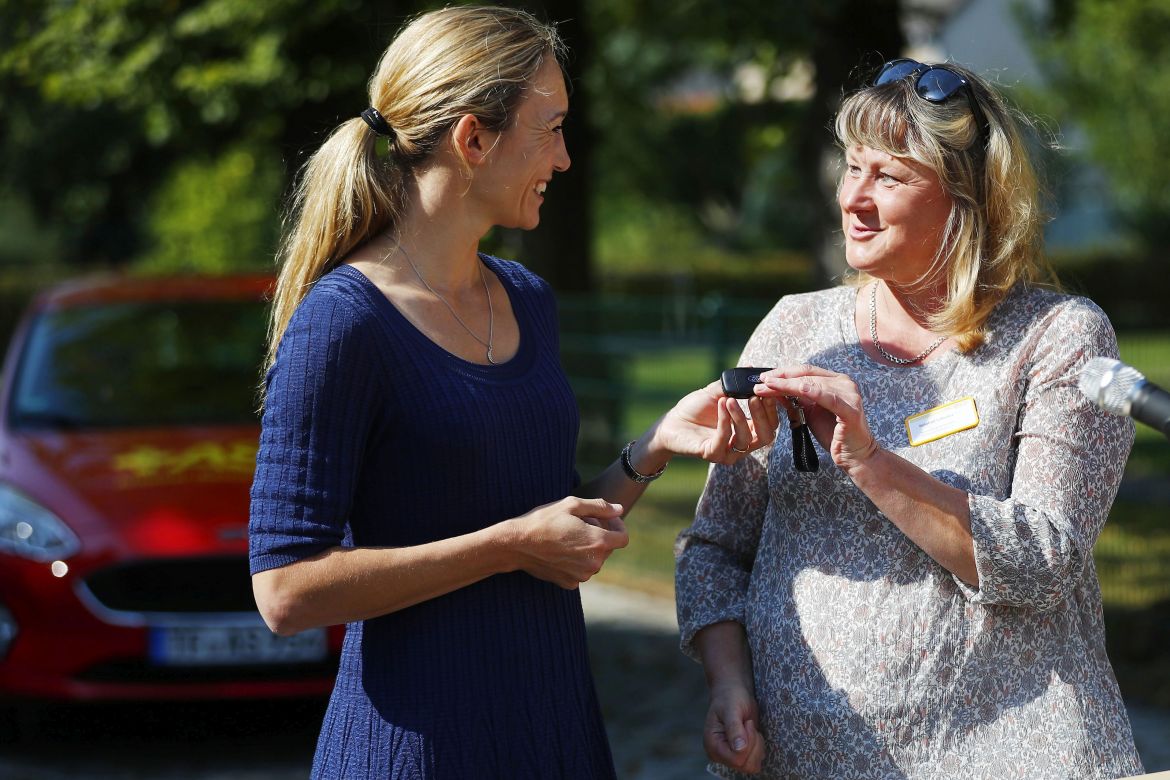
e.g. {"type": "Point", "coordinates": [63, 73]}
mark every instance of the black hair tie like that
{"type": "Point", "coordinates": [377, 122]}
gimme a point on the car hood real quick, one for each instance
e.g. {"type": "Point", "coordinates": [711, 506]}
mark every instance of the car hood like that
{"type": "Point", "coordinates": [156, 492]}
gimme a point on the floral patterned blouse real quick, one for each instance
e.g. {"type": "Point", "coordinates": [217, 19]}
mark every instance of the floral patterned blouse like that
{"type": "Point", "coordinates": [870, 659]}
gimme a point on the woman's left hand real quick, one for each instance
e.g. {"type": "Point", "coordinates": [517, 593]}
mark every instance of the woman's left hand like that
{"type": "Point", "coordinates": [709, 425]}
{"type": "Point", "coordinates": [832, 406]}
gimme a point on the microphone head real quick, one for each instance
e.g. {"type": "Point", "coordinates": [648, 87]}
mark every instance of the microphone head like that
{"type": "Point", "coordinates": [1109, 384]}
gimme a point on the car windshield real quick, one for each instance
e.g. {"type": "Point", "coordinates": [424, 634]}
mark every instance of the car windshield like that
{"type": "Point", "coordinates": [157, 363]}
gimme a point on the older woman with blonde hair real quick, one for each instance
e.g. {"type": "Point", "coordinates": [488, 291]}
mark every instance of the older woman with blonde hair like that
{"type": "Point", "coordinates": [926, 605]}
{"type": "Point", "coordinates": [416, 476]}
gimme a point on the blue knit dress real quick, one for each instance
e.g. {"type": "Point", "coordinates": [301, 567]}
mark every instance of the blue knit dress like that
{"type": "Point", "coordinates": [375, 436]}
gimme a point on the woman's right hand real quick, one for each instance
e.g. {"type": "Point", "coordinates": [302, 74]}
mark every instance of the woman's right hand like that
{"type": "Point", "coordinates": [730, 736]}
{"type": "Point", "coordinates": [567, 541]}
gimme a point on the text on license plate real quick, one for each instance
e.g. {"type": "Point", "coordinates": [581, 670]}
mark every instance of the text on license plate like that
{"type": "Point", "coordinates": [220, 645]}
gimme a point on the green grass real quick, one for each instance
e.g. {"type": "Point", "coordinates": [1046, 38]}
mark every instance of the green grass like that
{"type": "Point", "coordinates": [667, 508]}
{"type": "Point", "coordinates": [1132, 554]}
{"type": "Point", "coordinates": [669, 505]}
{"type": "Point", "coordinates": [1149, 353]}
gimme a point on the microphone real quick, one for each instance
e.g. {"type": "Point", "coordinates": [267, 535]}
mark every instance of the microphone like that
{"type": "Point", "coordinates": [1123, 390]}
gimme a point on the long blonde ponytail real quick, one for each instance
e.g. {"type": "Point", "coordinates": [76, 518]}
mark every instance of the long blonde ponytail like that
{"type": "Point", "coordinates": [345, 194]}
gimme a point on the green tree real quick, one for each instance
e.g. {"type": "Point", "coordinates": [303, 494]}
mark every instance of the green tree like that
{"type": "Point", "coordinates": [116, 110]}
{"type": "Point", "coordinates": [750, 167]}
{"type": "Point", "coordinates": [234, 229]}
{"type": "Point", "coordinates": [166, 130]}
{"type": "Point", "coordinates": [1108, 65]}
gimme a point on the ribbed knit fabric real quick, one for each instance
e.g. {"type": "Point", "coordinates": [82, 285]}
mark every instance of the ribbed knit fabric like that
{"type": "Point", "coordinates": [375, 436]}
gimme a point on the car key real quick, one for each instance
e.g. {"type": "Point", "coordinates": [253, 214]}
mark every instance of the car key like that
{"type": "Point", "coordinates": [739, 382]}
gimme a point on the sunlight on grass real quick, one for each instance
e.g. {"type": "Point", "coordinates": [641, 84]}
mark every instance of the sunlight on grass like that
{"type": "Point", "coordinates": [666, 508]}
{"type": "Point", "coordinates": [1132, 555]}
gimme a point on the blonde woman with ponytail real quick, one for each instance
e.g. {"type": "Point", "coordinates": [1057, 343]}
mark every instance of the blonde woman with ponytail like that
{"type": "Point", "coordinates": [926, 606]}
{"type": "Point", "coordinates": [416, 476]}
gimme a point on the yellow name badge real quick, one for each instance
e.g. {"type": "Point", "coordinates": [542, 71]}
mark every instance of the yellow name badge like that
{"type": "Point", "coordinates": [934, 424]}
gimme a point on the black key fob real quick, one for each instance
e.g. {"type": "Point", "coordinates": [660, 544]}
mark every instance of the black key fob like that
{"type": "Point", "coordinates": [739, 382]}
{"type": "Point", "coordinates": [804, 455]}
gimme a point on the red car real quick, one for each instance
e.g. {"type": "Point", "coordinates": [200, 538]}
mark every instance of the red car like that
{"type": "Point", "coordinates": [128, 437]}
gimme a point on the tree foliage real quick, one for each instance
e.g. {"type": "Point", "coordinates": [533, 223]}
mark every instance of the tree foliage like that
{"type": "Point", "coordinates": [109, 104]}
{"type": "Point", "coordinates": [165, 131]}
{"type": "Point", "coordinates": [748, 167]}
{"type": "Point", "coordinates": [1109, 67]}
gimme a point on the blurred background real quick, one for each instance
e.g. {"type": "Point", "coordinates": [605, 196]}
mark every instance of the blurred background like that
{"type": "Point", "coordinates": [160, 136]}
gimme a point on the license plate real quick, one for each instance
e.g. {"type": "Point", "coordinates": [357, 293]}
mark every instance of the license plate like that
{"type": "Point", "coordinates": [228, 645]}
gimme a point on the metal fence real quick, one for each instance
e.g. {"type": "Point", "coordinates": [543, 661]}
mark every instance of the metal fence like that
{"type": "Point", "coordinates": [603, 338]}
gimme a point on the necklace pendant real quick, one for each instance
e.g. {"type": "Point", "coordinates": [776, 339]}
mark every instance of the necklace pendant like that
{"type": "Point", "coordinates": [487, 293]}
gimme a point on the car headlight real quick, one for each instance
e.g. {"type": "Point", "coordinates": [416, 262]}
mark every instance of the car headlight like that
{"type": "Point", "coordinates": [29, 530]}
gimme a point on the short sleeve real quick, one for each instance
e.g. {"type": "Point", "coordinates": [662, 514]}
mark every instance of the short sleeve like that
{"type": "Point", "coordinates": [320, 406]}
{"type": "Point", "coordinates": [1031, 547]}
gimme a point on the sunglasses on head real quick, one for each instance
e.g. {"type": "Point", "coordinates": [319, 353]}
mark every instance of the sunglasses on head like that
{"type": "Point", "coordinates": [932, 83]}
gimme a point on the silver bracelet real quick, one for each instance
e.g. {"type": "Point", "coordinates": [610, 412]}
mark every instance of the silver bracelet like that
{"type": "Point", "coordinates": [632, 472]}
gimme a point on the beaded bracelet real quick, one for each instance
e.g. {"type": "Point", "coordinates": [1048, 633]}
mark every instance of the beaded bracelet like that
{"type": "Point", "coordinates": [632, 472]}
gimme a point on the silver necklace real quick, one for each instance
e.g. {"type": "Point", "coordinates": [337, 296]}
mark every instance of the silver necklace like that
{"type": "Point", "coordinates": [882, 350]}
{"type": "Point", "coordinates": [491, 311]}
